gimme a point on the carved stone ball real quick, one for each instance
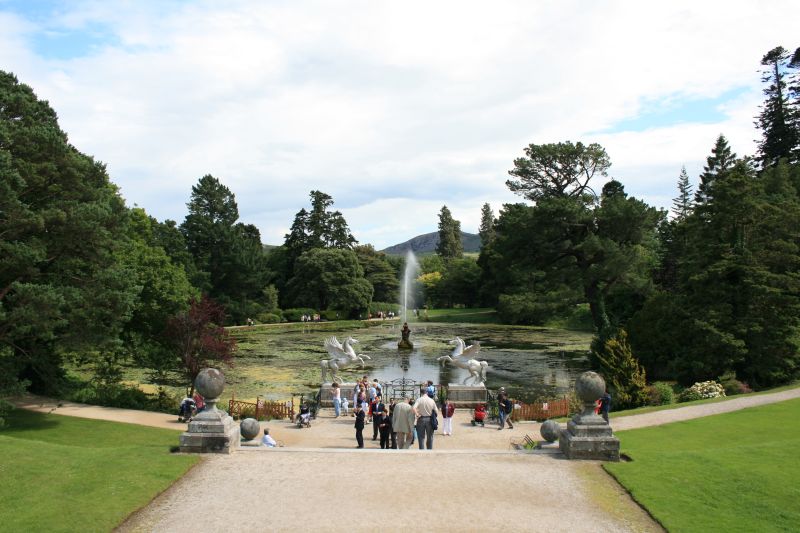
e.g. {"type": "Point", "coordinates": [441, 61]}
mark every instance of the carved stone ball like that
{"type": "Point", "coordinates": [589, 386]}
{"type": "Point", "coordinates": [210, 383]}
{"type": "Point", "coordinates": [249, 428]}
{"type": "Point", "coordinates": [550, 430]}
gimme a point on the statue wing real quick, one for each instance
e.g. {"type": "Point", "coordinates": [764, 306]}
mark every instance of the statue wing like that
{"type": "Point", "coordinates": [472, 350]}
{"type": "Point", "coordinates": [334, 347]}
{"type": "Point", "coordinates": [459, 349]}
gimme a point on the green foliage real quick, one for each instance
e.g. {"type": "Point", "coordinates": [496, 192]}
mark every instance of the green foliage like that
{"type": "Point", "coordinates": [381, 274]}
{"type": "Point", "coordinates": [624, 377]}
{"type": "Point", "coordinates": [780, 114]}
{"type": "Point", "coordinates": [557, 170]}
{"type": "Point", "coordinates": [61, 226]}
{"type": "Point", "coordinates": [376, 307]}
{"type": "Point", "coordinates": [660, 393]}
{"type": "Point", "coordinates": [105, 470]}
{"type": "Point", "coordinates": [5, 410]}
{"type": "Point", "coordinates": [269, 318]}
{"type": "Point", "coordinates": [449, 246]}
{"type": "Point", "coordinates": [296, 313]}
{"type": "Point", "coordinates": [330, 278]}
{"type": "Point", "coordinates": [730, 472]}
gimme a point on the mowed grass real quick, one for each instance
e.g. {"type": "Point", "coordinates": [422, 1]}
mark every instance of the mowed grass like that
{"type": "Point", "coordinates": [60, 473]}
{"type": "Point", "coordinates": [475, 315]}
{"type": "Point", "coordinates": [730, 472]}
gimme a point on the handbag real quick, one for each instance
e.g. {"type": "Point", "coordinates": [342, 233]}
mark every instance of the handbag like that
{"type": "Point", "coordinates": [434, 421]}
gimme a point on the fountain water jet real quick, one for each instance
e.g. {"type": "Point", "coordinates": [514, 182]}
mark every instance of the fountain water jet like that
{"type": "Point", "coordinates": [409, 276]}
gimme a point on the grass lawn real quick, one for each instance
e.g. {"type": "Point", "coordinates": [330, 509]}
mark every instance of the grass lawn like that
{"type": "Point", "coordinates": [60, 473]}
{"type": "Point", "coordinates": [730, 472]}
{"type": "Point", "coordinates": [475, 315]}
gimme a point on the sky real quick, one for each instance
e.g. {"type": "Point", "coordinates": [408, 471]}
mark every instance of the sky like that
{"type": "Point", "coordinates": [392, 108]}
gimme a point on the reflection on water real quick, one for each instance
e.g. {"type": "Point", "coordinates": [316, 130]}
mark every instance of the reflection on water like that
{"type": "Point", "coordinates": [529, 362]}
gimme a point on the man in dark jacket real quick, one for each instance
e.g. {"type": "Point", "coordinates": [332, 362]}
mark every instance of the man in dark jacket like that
{"type": "Point", "coordinates": [359, 425]}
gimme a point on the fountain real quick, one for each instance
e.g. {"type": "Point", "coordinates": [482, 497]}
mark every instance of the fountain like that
{"type": "Point", "coordinates": [409, 277]}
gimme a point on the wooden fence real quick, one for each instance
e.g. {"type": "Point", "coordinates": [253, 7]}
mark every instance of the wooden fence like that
{"type": "Point", "coordinates": [261, 409]}
{"type": "Point", "coordinates": [541, 411]}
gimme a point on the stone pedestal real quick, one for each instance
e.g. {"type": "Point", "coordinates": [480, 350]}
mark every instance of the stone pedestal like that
{"type": "Point", "coordinates": [326, 394]}
{"type": "Point", "coordinates": [466, 395]}
{"type": "Point", "coordinates": [211, 432]}
{"type": "Point", "coordinates": [588, 436]}
{"type": "Point", "coordinates": [405, 344]}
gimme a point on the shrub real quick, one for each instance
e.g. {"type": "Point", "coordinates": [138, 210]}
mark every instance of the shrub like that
{"type": "Point", "coordinates": [734, 387]}
{"type": "Point", "coordinates": [660, 393]}
{"type": "Point", "coordinates": [624, 376]}
{"type": "Point", "coordinates": [294, 315]}
{"type": "Point", "coordinates": [5, 410]}
{"type": "Point", "coordinates": [377, 307]}
{"type": "Point", "coordinates": [268, 318]}
{"type": "Point", "coordinates": [701, 390]}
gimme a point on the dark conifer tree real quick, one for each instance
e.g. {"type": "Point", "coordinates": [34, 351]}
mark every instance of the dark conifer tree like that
{"type": "Point", "coordinates": [779, 119]}
{"type": "Point", "coordinates": [449, 246]}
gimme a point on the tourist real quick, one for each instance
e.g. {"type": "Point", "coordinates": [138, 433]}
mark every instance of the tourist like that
{"type": "Point", "coordinates": [378, 410]}
{"type": "Point", "coordinates": [447, 417]}
{"type": "Point", "coordinates": [605, 405]}
{"type": "Point", "coordinates": [268, 441]}
{"type": "Point", "coordinates": [359, 425]}
{"type": "Point", "coordinates": [337, 399]}
{"type": "Point", "coordinates": [424, 407]}
{"type": "Point", "coordinates": [504, 409]}
{"type": "Point", "coordinates": [356, 390]}
{"type": "Point", "coordinates": [403, 423]}
{"type": "Point", "coordinates": [385, 428]}
{"type": "Point", "coordinates": [430, 390]}
{"type": "Point", "coordinates": [393, 434]}
{"type": "Point", "coordinates": [199, 402]}
{"type": "Point", "coordinates": [345, 406]}
{"type": "Point", "coordinates": [362, 399]}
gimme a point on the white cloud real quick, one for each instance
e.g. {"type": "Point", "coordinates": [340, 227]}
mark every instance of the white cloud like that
{"type": "Point", "coordinates": [392, 108]}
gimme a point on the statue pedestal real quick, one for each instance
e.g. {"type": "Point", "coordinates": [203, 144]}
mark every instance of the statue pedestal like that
{"type": "Point", "coordinates": [589, 437]}
{"type": "Point", "coordinates": [466, 395]}
{"type": "Point", "coordinates": [211, 432]}
{"type": "Point", "coordinates": [326, 394]}
{"type": "Point", "coordinates": [404, 344]}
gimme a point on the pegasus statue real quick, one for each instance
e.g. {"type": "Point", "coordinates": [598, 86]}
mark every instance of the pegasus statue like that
{"type": "Point", "coordinates": [461, 356]}
{"type": "Point", "coordinates": [342, 356]}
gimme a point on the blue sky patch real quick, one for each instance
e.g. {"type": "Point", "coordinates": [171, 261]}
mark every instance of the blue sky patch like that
{"type": "Point", "coordinates": [666, 112]}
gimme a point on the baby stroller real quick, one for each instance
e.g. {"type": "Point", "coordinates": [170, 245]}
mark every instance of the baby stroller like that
{"type": "Point", "coordinates": [479, 415]}
{"type": "Point", "coordinates": [187, 410]}
{"type": "Point", "coordinates": [304, 417]}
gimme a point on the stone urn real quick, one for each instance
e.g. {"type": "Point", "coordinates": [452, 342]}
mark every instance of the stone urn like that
{"type": "Point", "coordinates": [589, 387]}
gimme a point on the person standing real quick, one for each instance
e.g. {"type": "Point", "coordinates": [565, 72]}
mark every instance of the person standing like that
{"type": "Point", "coordinates": [385, 428]}
{"type": "Point", "coordinates": [403, 423]}
{"type": "Point", "coordinates": [359, 425]}
{"type": "Point", "coordinates": [447, 417]}
{"type": "Point", "coordinates": [337, 399]}
{"type": "Point", "coordinates": [605, 405]}
{"type": "Point", "coordinates": [504, 408]}
{"type": "Point", "coordinates": [378, 410]}
{"type": "Point", "coordinates": [424, 408]}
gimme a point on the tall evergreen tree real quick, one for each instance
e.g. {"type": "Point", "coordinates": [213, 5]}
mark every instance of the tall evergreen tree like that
{"type": "Point", "coordinates": [449, 246]}
{"type": "Point", "coordinates": [486, 229]}
{"type": "Point", "coordinates": [62, 223]}
{"type": "Point", "coordinates": [780, 117]}
{"type": "Point", "coordinates": [718, 163]}
{"type": "Point", "coordinates": [682, 204]}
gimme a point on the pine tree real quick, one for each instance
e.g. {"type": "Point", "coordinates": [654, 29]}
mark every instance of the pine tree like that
{"type": "Point", "coordinates": [682, 205]}
{"type": "Point", "coordinates": [717, 164]}
{"type": "Point", "coordinates": [449, 246]}
{"type": "Point", "coordinates": [779, 119]}
{"type": "Point", "coordinates": [486, 230]}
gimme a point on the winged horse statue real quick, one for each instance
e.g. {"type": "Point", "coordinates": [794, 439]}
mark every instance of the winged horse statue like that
{"type": "Point", "coordinates": [342, 356]}
{"type": "Point", "coordinates": [461, 357]}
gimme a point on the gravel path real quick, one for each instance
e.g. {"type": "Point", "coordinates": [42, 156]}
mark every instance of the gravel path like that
{"type": "Point", "coordinates": [470, 481]}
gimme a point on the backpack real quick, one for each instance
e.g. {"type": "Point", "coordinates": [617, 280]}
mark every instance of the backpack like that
{"type": "Point", "coordinates": [508, 407]}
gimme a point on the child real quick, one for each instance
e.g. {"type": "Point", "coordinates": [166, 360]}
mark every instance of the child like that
{"type": "Point", "coordinates": [345, 406]}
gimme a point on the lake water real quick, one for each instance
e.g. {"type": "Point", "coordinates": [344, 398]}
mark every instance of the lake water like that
{"type": "Point", "coordinates": [530, 362]}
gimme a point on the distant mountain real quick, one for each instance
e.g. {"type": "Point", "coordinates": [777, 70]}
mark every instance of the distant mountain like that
{"type": "Point", "coordinates": [426, 244]}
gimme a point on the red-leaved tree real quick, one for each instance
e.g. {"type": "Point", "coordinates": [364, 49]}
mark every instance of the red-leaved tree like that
{"type": "Point", "coordinates": [199, 339]}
